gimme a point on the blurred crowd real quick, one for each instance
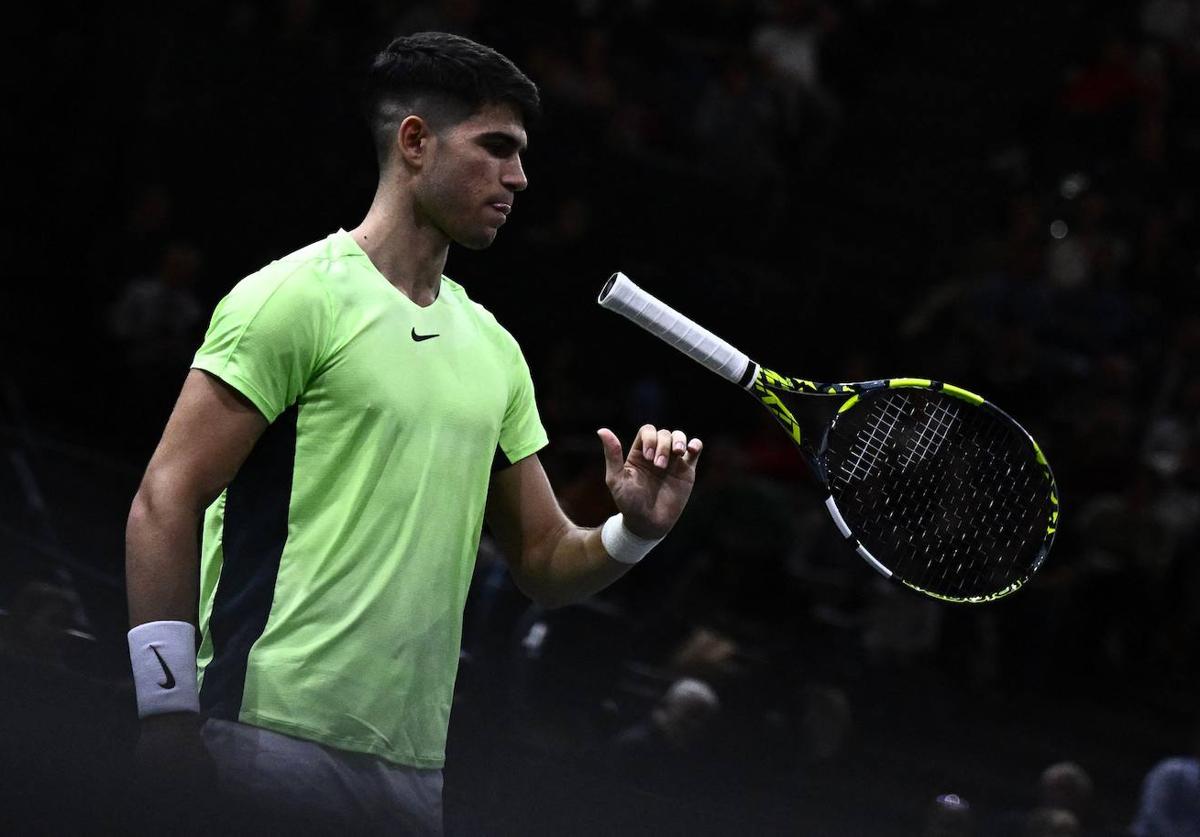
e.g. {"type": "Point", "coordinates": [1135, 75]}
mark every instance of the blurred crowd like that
{"type": "Point", "coordinates": [995, 196]}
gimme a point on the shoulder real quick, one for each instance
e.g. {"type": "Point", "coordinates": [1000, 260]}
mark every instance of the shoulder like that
{"type": "Point", "coordinates": [484, 319]}
{"type": "Point", "coordinates": [299, 278]}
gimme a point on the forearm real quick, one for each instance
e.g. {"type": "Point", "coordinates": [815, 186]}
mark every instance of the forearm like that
{"type": "Point", "coordinates": [570, 565]}
{"type": "Point", "coordinates": [162, 561]}
{"type": "Point", "coordinates": [555, 562]}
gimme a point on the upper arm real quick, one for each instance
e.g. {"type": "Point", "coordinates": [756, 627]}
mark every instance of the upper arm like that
{"type": "Point", "coordinates": [522, 510]}
{"type": "Point", "coordinates": [210, 433]}
{"type": "Point", "coordinates": [266, 340]}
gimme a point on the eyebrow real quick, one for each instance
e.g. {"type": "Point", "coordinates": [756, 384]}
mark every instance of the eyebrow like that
{"type": "Point", "coordinates": [506, 138]}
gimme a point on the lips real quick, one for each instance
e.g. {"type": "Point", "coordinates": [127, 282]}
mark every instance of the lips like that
{"type": "Point", "coordinates": [501, 207]}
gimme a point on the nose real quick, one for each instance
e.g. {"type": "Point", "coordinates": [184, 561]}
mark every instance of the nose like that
{"type": "Point", "coordinates": [513, 177]}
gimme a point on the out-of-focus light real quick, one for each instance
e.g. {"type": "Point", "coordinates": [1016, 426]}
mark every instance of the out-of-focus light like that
{"type": "Point", "coordinates": [952, 800]}
{"type": "Point", "coordinates": [1059, 229]}
{"type": "Point", "coordinates": [1072, 185]}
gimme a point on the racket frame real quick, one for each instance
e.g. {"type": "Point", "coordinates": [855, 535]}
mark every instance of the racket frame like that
{"type": "Point", "coordinates": [621, 295]}
{"type": "Point", "coordinates": [767, 382]}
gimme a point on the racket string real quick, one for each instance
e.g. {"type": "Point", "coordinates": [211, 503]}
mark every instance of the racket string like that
{"type": "Point", "coordinates": [943, 493]}
{"type": "Point", "coordinates": [872, 447]}
{"type": "Point", "coordinates": [931, 435]}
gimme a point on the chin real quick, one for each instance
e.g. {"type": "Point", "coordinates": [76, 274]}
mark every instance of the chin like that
{"type": "Point", "coordinates": [478, 241]}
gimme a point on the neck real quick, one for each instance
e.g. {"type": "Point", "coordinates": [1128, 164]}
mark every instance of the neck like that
{"type": "Point", "coordinates": [409, 251]}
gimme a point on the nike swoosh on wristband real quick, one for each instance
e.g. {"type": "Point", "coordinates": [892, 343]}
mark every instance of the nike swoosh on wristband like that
{"type": "Point", "coordinates": [170, 684]}
{"type": "Point", "coordinates": [420, 337]}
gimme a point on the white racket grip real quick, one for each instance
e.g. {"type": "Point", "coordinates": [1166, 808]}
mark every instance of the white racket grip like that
{"type": "Point", "coordinates": [620, 294]}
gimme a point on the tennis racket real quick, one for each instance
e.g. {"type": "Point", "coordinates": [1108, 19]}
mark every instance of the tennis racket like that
{"type": "Point", "coordinates": [932, 485]}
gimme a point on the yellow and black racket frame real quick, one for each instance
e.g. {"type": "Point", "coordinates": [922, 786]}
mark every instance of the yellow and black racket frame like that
{"type": "Point", "coordinates": [766, 384]}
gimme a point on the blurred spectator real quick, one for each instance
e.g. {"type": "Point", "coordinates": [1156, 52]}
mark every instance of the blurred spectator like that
{"type": "Point", "coordinates": [1052, 822]}
{"type": "Point", "coordinates": [1177, 22]}
{"type": "Point", "coordinates": [157, 316]}
{"type": "Point", "coordinates": [738, 133]}
{"type": "Point", "coordinates": [37, 622]}
{"type": "Point", "coordinates": [706, 654]}
{"type": "Point", "coordinates": [562, 666]}
{"type": "Point", "coordinates": [577, 78]}
{"type": "Point", "coordinates": [1066, 786]}
{"type": "Point", "coordinates": [899, 629]}
{"type": "Point", "coordinates": [826, 723]}
{"type": "Point", "coordinates": [1062, 805]}
{"type": "Point", "coordinates": [1170, 799]}
{"type": "Point", "coordinates": [1127, 554]}
{"type": "Point", "coordinates": [67, 734]}
{"type": "Point", "coordinates": [729, 567]}
{"type": "Point", "coordinates": [156, 323]}
{"type": "Point", "coordinates": [664, 752]}
{"type": "Point", "coordinates": [789, 44]}
{"type": "Point", "coordinates": [588, 82]}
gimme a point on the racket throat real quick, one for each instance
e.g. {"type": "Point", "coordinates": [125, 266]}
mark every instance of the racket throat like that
{"type": "Point", "coordinates": [749, 376]}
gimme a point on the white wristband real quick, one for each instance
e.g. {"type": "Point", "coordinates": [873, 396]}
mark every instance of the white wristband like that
{"type": "Point", "coordinates": [621, 544]}
{"type": "Point", "coordinates": [163, 655]}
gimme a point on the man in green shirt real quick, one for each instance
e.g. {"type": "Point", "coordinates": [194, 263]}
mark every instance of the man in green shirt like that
{"type": "Point", "coordinates": [349, 422]}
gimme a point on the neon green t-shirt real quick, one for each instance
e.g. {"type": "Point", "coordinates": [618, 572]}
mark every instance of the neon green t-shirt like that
{"type": "Point", "coordinates": [335, 566]}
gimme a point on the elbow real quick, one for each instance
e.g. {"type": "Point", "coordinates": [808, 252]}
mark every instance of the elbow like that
{"type": "Point", "coordinates": [542, 588]}
{"type": "Point", "coordinates": [532, 565]}
{"type": "Point", "coordinates": [143, 527]}
{"type": "Point", "coordinates": [541, 594]}
{"type": "Point", "coordinates": [165, 494]}
{"type": "Point", "coordinates": [141, 514]}
{"type": "Point", "coordinates": [142, 508]}
{"type": "Point", "coordinates": [146, 510]}
{"type": "Point", "coordinates": [158, 512]}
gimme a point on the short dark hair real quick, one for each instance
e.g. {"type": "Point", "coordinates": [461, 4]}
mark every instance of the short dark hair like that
{"type": "Point", "coordinates": [443, 78]}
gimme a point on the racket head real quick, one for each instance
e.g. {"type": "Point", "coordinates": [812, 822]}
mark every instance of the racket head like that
{"type": "Point", "coordinates": [939, 489]}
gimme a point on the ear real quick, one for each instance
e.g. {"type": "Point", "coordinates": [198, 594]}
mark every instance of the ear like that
{"type": "Point", "coordinates": [412, 140]}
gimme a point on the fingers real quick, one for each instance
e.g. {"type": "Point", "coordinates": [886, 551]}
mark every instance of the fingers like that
{"type": "Point", "coordinates": [613, 460]}
{"type": "Point", "coordinates": [648, 442]}
{"type": "Point", "coordinates": [662, 447]}
{"type": "Point", "coordinates": [678, 443]}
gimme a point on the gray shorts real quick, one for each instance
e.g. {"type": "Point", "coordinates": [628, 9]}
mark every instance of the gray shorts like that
{"type": "Point", "coordinates": [267, 779]}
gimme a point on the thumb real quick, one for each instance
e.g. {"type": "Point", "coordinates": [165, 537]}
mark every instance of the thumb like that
{"type": "Point", "coordinates": [614, 462]}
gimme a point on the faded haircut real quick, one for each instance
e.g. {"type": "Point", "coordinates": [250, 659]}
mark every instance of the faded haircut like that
{"type": "Point", "coordinates": [443, 78]}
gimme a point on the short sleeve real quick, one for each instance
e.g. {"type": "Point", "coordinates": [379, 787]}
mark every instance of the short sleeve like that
{"type": "Point", "coordinates": [521, 433]}
{"type": "Point", "coordinates": [267, 338]}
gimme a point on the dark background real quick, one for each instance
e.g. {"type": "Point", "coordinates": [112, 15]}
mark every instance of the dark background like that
{"type": "Point", "coordinates": [999, 194]}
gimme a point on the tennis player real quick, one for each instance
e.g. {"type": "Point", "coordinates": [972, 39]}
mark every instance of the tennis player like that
{"type": "Point", "coordinates": [349, 422]}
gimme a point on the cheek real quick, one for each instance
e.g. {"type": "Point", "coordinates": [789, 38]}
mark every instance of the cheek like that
{"type": "Point", "coordinates": [455, 192]}
{"type": "Point", "coordinates": [440, 197]}
{"type": "Point", "coordinates": [465, 185]}
{"type": "Point", "coordinates": [475, 184]}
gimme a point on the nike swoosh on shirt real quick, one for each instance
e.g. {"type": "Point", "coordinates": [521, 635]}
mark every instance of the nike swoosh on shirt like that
{"type": "Point", "coordinates": [420, 337]}
{"type": "Point", "coordinates": [170, 684]}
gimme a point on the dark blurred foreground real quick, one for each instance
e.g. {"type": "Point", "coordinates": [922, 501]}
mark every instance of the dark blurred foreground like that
{"type": "Point", "coordinates": [573, 722]}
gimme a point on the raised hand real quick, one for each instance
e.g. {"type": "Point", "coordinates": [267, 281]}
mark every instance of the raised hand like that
{"type": "Point", "coordinates": [652, 485]}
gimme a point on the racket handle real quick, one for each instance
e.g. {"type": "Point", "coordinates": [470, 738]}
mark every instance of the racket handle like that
{"type": "Point", "coordinates": [620, 294]}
